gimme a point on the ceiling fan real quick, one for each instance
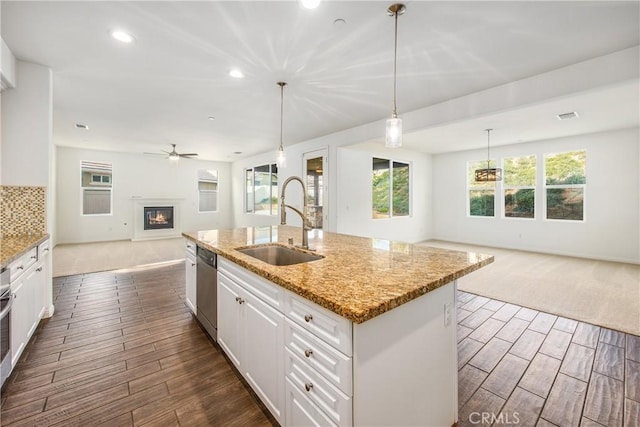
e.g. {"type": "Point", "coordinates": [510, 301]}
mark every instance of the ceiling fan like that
{"type": "Point", "coordinates": [173, 155]}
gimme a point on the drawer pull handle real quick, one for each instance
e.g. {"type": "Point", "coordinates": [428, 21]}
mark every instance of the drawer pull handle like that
{"type": "Point", "coordinates": [308, 386]}
{"type": "Point", "coordinates": [39, 269]}
{"type": "Point", "coordinates": [308, 352]}
{"type": "Point", "coordinates": [46, 250]}
{"type": "Point", "coordinates": [34, 257]}
{"type": "Point", "coordinates": [20, 267]}
{"type": "Point", "coordinates": [189, 246]}
{"type": "Point", "coordinates": [239, 300]}
{"type": "Point", "coordinates": [308, 318]}
{"type": "Point", "coordinates": [193, 264]}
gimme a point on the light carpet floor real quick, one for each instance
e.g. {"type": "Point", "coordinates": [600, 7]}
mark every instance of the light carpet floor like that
{"type": "Point", "coordinates": [82, 258]}
{"type": "Point", "coordinates": [599, 292]}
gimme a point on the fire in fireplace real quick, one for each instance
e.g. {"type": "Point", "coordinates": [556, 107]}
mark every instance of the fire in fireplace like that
{"type": "Point", "coordinates": [158, 218]}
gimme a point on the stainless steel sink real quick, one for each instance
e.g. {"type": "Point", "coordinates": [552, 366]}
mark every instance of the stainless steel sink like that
{"type": "Point", "coordinates": [279, 255]}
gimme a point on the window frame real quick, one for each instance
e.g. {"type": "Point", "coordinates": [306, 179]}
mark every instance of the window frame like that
{"type": "Point", "coordinates": [216, 191]}
{"type": "Point", "coordinates": [506, 187]}
{"type": "Point", "coordinates": [565, 186]}
{"type": "Point", "coordinates": [273, 170]}
{"type": "Point", "coordinates": [92, 186]}
{"type": "Point", "coordinates": [391, 162]}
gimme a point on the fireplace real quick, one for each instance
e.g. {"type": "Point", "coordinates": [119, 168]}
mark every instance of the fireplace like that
{"type": "Point", "coordinates": [158, 218]}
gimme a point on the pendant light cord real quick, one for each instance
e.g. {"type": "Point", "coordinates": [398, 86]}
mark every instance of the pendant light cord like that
{"type": "Point", "coordinates": [282, 85]}
{"type": "Point", "coordinates": [395, 62]}
{"type": "Point", "coordinates": [488, 148]}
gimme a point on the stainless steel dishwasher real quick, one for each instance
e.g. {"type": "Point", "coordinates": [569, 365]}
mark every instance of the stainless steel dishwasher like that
{"type": "Point", "coordinates": [207, 291]}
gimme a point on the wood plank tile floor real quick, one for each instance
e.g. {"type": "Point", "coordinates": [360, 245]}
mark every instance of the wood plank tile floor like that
{"type": "Point", "coordinates": [523, 367]}
{"type": "Point", "coordinates": [122, 349]}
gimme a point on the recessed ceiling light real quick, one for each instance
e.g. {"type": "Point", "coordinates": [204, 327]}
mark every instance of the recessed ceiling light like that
{"type": "Point", "coordinates": [237, 152]}
{"type": "Point", "coordinates": [236, 74]}
{"type": "Point", "coordinates": [122, 36]}
{"type": "Point", "coordinates": [310, 4]}
{"type": "Point", "coordinates": [81, 126]}
{"type": "Point", "coordinates": [339, 22]}
{"type": "Point", "coordinates": [567, 116]}
{"type": "Point", "coordinates": [211, 118]}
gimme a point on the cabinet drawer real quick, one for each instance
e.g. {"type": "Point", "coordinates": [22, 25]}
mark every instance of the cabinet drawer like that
{"type": "Point", "coordinates": [190, 247]}
{"type": "Point", "coordinates": [268, 292]}
{"type": "Point", "coordinates": [326, 360]}
{"type": "Point", "coordinates": [21, 265]}
{"type": "Point", "coordinates": [335, 404]}
{"type": "Point", "coordinates": [43, 249]}
{"type": "Point", "coordinates": [326, 325]}
{"type": "Point", "coordinates": [301, 411]}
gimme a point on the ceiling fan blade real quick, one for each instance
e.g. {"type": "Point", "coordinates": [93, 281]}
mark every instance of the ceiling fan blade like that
{"type": "Point", "coordinates": [155, 154]}
{"type": "Point", "coordinates": [188, 154]}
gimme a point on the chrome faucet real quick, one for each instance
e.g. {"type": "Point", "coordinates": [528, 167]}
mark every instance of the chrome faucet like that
{"type": "Point", "coordinates": [306, 224]}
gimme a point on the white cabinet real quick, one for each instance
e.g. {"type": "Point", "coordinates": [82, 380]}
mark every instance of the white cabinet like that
{"type": "Point", "coordinates": [19, 320]}
{"type": "Point", "coordinates": [29, 280]}
{"type": "Point", "coordinates": [312, 367]}
{"type": "Point", "coordinates": [251, 333]}
{"type": "Point", "coordinates": [190, 275]}
{"type": "Point", "coordinates": [229, 311]}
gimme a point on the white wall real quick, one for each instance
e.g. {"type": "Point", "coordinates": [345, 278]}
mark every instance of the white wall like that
{"type": "Point", "coordinates": [354, 206]}
{"type": "Point", "coordinates": [134, 175]}
{"type": "Point", "coordinates": [612, 214]}
{"type": "Point", "coordinates": [27, 127]}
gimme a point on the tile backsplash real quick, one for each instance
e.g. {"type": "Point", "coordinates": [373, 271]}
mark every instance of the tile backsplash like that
{"type": "Point", "coordinates": [22, 210]}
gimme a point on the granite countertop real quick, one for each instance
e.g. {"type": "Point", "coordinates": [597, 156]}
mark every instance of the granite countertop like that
{"type": "Point", "coordinates": [12, 247]}
{"type": "Point", "coordinates": [359, 278]}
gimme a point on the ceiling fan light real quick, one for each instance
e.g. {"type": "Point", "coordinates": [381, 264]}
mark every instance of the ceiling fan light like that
{"type": "Point", "coordinates": [393, 137]}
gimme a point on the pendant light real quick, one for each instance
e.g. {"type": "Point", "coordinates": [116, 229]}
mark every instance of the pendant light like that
{"type": "Point", "coordinates": [282, 158]}
{"type": "Point", "coordinates": [393, 137]}
{"type": "Point", "coordinates": [488, 174]}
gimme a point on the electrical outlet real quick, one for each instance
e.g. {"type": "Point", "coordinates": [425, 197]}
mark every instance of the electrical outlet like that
{"type": "Point", "coordinates": [447, 314]}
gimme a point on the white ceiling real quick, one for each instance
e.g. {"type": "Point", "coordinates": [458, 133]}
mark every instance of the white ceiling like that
{"type": "Point", "coordinates": [162, 88]}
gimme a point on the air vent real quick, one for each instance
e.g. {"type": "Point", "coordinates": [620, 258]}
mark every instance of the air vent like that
{"type": "Point", "coordinates": [567, 116]}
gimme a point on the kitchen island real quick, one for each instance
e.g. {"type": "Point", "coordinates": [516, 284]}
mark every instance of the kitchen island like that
{"type": "Point", "coordinates": [365, 335]}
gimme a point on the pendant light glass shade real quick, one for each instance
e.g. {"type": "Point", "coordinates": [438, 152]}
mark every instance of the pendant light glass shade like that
{"type": "Point", "coordinates": [488, 174]}
{"type": "Point", "coordinates": [281, 159]}
{"type": "Point", "coordinates": [393, 133]}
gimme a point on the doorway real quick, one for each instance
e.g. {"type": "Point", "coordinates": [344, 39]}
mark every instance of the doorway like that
{"type": "Point", "coordinates": [315, 168]}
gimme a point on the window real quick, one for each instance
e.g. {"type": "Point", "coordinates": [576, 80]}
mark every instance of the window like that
{"type": "Point", "coordinates": [565, 183]}
{"type": "Point", "coordinates": [519, 187]}
{"type": "Point", "coordinates": [96, 184]}
{"type": "Point", "coordinates": [207, 190]}
{"type": "Point", "coordinates": [390, 188]}
{"type": "Point", "coordinates": [481, 194]}
{"type": "Point", "coordinates": [261, 190]}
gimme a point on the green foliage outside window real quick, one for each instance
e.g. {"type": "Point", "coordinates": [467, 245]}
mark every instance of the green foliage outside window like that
{"type": "Point", "coordinates": [519, 172]}
{"type": "Point", "coordinates": [390, 189]}
{"type": "Point", "coordinates": [481, 194]}
{"type": "Point", "coordinates": [565, 177]}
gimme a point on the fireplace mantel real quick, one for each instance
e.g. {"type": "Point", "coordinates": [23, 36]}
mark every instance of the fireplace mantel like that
{"type": "Point", "coordinates": [139, 203]}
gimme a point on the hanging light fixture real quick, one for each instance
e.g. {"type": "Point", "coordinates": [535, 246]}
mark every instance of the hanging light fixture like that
{"type": "Point", "coordinates": [488, 174]}
{"type": "Point", "coordinates": [282, 158]}
{"type": "Point", "coordinates": [393, 137]}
